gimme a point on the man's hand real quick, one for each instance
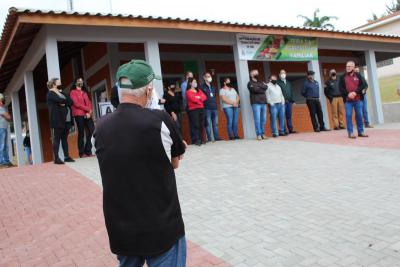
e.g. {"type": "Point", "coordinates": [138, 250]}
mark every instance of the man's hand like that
{"type": "Point", "coordinates": [162, 101]}
{"type": "Point", "coordinates": [352, 95]}
{"type": "Point", "coordinates": [174, 116]}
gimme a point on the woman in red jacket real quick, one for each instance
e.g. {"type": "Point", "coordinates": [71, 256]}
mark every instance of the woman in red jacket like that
{"type": "Point", "coordinates": [195, 99]}
{"type": "Point", "coordinates": [82, 112]}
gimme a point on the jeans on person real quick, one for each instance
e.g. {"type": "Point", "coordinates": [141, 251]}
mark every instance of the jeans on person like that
{"type": "Point", "coordinates": [277, 110]}
{"type": "Point", "coordinates": [212, 121]}
{"type": "Point", "coordinates": [288, 115]}
{"type": "Point", "coordinates": [28, 153]}
{"type": "Point", "coordinates": [175, 257]}
{"type": "Point", "coordinates": [364, 104]}
{"type": "Point", "coordinates": [260, 118]}
{"type": "Point", "coordinates": [84, 126]}
{"type": "Point", "coordinates": [315, 109]}
{"type": "Point", "coordinates": [4, 157]}
{"type": "Point", "coordinates": [60, 135]}
{"type": "Point", "coordinates": [357, 106]}
{"type": "Point", "coordinates": [232, 114]}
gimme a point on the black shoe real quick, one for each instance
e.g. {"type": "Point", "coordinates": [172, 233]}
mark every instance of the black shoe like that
{"type": "Point", "coordinates": [58, 161]}
{"type": "Point", "coordinates": [236, 137]}
{"type": "Point", "coordinates": [219, 139]}
{"type": "Point", "coordinates": [317, 130]}
{"type": "Point", "coordinates": [325, 130]}
{"type": "Point", "coordinates": [231, 138]}
{"type": "Point", "coordinates": [274, 135]}
{"type": "Point", "coordinates": [342, 127]}
{"type": "Point", "coordinates": [198, 143]}
{"type": "Point", "coordinates": [336, 128]}
{"type": "Point", "coordinates": [69, 159]}
{"type": "Point", "coordinates": [292, 132]}
{"type": "Point", "coordinates": [282, 134]}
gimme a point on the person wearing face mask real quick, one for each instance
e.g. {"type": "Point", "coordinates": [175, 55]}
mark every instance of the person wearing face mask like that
{"type": "Point", "coordinates": [287, 91]}
{"type": "Point", "coordinates": [230, 103]}
{"type": "Point", "coordinates": [311, 92]}
{"type": "Point", "coordinates": [60, 116]}
{"type": "Point", "coordinates": [210, 107]}
{"type": "Point", "coordinates": [351, 85]}
{"type": "Point", "coordinates": [332, 92]}
{"type": "Point", "coordinates": [258, 102]}
{"type": "Point", "coordinates": [82, 112]}
{"type": "Point", "coordinates": [276, 102]}
{"type": "Point", "coordinates": [188, 75]}
{"type": "Point", "coordinates": [173, 104]}
{"type": "Point", "coordinates": [138, 149]}
{"type": "Point", "coordinates": [195, 100]}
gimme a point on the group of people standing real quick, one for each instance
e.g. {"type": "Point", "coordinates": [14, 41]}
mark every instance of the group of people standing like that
{"type": "Point", "coordinates": [278, 94]}
{"type": "Point", "coordinates": [65, 110]}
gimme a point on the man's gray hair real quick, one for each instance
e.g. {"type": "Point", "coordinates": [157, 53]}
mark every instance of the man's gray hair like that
{"type": "Point", "coordinates": [133, 92]}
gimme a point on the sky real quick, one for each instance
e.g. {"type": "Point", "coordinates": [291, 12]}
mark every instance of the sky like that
{"type": "Point", "coordinates": [350, 14]}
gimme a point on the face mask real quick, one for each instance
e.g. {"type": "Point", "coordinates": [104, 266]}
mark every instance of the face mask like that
{"type": "Point", "coordinates": [283, 76]}
{"type": "Point", "coordinates": [79, 84]}
{"type": "Point", "coordinates": [59, 87]}
{"type": "Point", "coordinates": [194, 85]}
{"type": "Point", "coordinates": [172, 89]}
{"type": "Point", "coordinates": [333, 74]}
{"type": "Point", "coordinates": [228, 84]}
{"type": "Point", "coordinates": [255, 76]}
{"type": "Point", "coordinates": [273, 81]}
{"type": "Point", "coordinates": [209, 79]}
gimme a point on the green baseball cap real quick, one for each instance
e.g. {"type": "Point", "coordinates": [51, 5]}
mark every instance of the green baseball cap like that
{"type": "Point", "coordinates": [138, 72]}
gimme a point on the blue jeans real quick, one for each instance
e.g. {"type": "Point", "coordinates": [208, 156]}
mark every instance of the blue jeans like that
{"type": "Point", "coordinates": [260, 118]}
{"type": "Point", "coordinates": [4, 159]}
{"type": "Point", "coordinates": [277, 110]}
{"type": "Point", "coordinates": [176, 257]}
{"type": "Point", "coordinates": [28, 153]}
{"type": "Point", "coordinates": [212, 121]}
{"type": "Point", "coordinates": [232, 114]}
{"type": "Point", "coordinates": [288, 115]}
{"type": "Point", "coordinates": [357, 106]}
{"type": "Point", "coordinates": [364, 104]}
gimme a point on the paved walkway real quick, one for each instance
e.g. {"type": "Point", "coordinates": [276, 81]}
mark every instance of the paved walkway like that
{"type": "Point", "coordinates": [281, 202]}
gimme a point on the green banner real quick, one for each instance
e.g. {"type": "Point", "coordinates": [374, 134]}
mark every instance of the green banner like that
{"type": "Point", "coordinates": [277, 48]}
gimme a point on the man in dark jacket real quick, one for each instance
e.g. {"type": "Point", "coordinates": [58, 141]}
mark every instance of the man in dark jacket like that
{"type": "Point", "coordinates": [332, 92]}
{"type": "Point", "coordinates": [311, 93]}
{"type": "Point", "coordinates": [351, 85]}
{"type": "Point", "coordinates": [210, 107]}
{"type": "Point", "coordinates": [287, 92]}
{"type": "Point", "coordinates": [258, 100]}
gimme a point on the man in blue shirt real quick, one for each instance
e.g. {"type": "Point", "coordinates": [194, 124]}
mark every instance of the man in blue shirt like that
{"type": "Point", "coordinates": [311, 93]}
{"type": "Point", "coordinates": [210, 106]}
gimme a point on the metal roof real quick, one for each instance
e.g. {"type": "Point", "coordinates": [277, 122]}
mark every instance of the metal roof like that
{"type": "Point", "coordinates": [13, 12]}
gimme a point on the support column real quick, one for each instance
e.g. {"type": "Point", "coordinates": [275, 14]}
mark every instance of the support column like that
{"type": "Point", "coordinates": [267, 70]}
{"type": "Point", "coordinates": [202, 69]}
{"type": "Point", "coordinates": [19, 147]}
{"type": "Point", "coordinates": [152, 54]}
{"type": "Point", "coordinates": [113, 60]}
{"type": "Point", "coordinates": [10, 144]}
{"type": "Point", "coordinates": [374, 86]}
{"type": "Point", "coordinates": [242, 75]}
{"type": "Point", "coordinates": [53, 64]}
{"type": "Point", "coordinates": [36, 146]}
{"type": "Point", "coordinates": [315, 66]}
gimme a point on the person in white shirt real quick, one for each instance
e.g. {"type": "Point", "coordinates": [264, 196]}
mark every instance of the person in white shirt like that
{"type": "Point", "coordinates": [276, 103]}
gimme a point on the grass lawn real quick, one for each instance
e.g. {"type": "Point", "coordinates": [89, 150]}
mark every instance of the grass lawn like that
{"type": "Point", "coordinates": [388, 86]}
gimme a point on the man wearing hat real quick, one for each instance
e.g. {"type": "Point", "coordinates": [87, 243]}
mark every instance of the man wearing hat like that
{"type": "Point", "coordinates": [5, 118]}
{"type": "Point", "coordinates": [138, 150]}
{"type": "Point", "coordinates": [311, 93]}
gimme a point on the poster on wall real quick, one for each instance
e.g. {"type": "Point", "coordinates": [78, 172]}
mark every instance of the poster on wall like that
{"type": "Point", "coordinates": [276, 47]}
{"type": "Point", "coordinates": [105, 108]}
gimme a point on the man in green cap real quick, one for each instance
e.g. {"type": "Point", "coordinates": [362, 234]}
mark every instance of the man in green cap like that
{"type": "Point", "coordinates": [137, 150]}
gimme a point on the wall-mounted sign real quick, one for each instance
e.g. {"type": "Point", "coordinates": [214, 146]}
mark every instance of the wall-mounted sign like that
{"type": "Point", "coordinates": [276, 48]}
{"type": "Point", "coordinates": [105, 108]}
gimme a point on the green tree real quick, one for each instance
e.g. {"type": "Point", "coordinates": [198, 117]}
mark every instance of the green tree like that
{"type": "Point", "coordinates": [393, 7]}
{"type": "Point", "coordinates": [317, 21]}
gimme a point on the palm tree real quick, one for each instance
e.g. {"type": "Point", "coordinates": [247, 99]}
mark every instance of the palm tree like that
{"type": "Point", "coordinates": [318, 22]}
{"type": "Point", "coordinates": [393, 7]}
